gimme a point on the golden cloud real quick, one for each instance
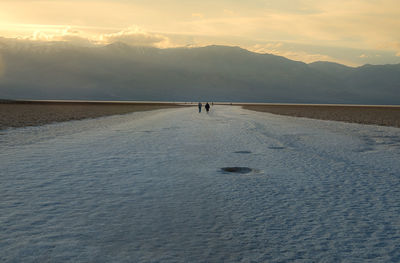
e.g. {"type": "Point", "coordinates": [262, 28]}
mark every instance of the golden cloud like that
{"type": "Point", "coordinates": [134, 36]}
{"type": "Point", "coordinates": [307, 57]}
{"type": "Point", "coordinates": [228, 12]}
{"type": "Point", "coordinates": [198, 15]}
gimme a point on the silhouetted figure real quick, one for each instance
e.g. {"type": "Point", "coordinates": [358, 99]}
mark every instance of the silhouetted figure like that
{"type": "Point", "coordinates": [200, 105]}
{"type": "Point", "coordinates": [207, 107]}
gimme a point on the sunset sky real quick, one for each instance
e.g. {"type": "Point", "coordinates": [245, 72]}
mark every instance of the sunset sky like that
{"type": "Point", "coordinates": [352, 32]}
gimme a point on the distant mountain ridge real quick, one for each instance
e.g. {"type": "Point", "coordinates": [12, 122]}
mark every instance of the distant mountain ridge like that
{"type": "Point", "coordinates": [213, 73]}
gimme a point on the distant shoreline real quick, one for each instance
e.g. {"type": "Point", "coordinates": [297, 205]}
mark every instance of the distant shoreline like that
{"type": "Point", "coordinates": [22, 113]}
{"type": "Point", "coordinates": [365, 114]}
{"type": "Point", "coordinates": [89, 102]}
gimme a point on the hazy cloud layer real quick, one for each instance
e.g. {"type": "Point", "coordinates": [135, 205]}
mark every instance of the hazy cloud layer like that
{"type": "Point", "coordinates": [68, 34]}
{"type": "Point", "coordinates": [278, 49]}
{"type": "Point", "coordinates": [137, 37]}
{"type": "Point", "coordinates": [133, 36]}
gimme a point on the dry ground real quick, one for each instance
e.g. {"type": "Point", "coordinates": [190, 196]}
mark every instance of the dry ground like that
{"type": "Point", "coordinates": [27, 113]}
{"type": "Point", "coordinates": [377, 115]}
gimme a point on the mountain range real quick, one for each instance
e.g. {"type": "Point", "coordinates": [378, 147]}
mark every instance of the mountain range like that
{"type": "Point", "coordinates": [213, 73]}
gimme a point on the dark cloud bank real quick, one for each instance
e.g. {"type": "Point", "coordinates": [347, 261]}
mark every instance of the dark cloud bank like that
{"type": "Point", "coordinates": [216, 73]}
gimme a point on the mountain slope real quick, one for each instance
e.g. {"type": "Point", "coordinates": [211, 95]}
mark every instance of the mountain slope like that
{"type": "Point", "coordinates": [215, 73]}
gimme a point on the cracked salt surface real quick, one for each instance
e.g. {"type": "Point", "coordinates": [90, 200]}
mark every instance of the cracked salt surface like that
{"type": "Point", "coordinates": [147, 187]}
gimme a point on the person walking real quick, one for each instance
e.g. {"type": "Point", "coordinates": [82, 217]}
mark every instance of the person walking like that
{"type": "Point", "coordinates": [207, 107]}
{"type": "Point", "coordinates": [200, 105]}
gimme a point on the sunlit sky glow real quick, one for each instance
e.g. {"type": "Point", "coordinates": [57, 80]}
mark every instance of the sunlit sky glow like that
{"type": "Point", "coordinates": [352, 32]}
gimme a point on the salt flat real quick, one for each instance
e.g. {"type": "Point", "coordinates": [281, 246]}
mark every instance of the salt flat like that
{"type": "Point", "coordinates": [148, 187]}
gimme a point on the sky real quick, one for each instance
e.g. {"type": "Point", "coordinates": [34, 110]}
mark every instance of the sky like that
{"type": "Point", "coordinates": [350, 32]}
